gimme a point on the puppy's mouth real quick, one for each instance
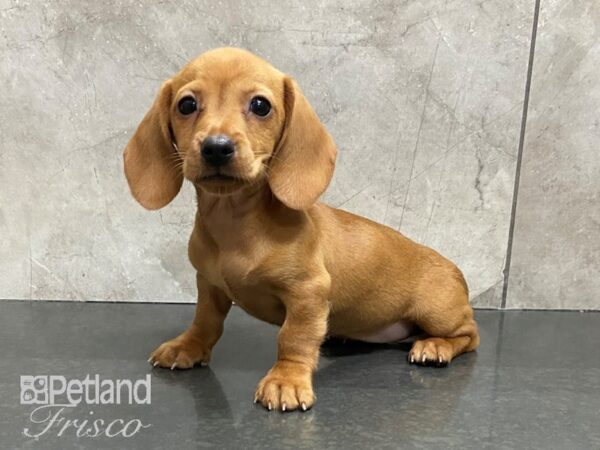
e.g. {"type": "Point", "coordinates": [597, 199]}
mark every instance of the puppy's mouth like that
{"type": "Point", "coordinates": [219, 180]}
{"type": "Point", "coordinates": [219, 177]}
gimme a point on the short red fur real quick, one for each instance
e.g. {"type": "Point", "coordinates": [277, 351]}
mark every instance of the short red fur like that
{"type": "Point", "coordinates": [261, 238]}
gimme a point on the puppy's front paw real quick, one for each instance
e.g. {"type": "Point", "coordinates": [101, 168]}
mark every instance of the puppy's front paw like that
{"type": "Point", "coordinates": [287, 387]}
{"type": "Point", "coordinates": [435, 352]}
{"type": "Point", "coordinates": [179, 353]}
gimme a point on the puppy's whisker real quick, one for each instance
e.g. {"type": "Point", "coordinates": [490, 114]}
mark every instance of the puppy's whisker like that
{"type": "Point", "coordinates": [176, 167]}
{"type": "Point", "coordinates": [176, 163]}
{"type": "Point", "coordinates": [175, 157]}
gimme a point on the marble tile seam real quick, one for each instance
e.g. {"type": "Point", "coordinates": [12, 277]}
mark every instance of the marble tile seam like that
{"type": "Point", "coordinates": [513, 212]}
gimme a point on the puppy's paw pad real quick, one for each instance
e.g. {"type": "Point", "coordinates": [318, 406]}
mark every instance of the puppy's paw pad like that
{"type": "Point", "coordinates": [434, 352]}
{"type": "Point", "coordinates": [178, 354]}
{"type": "Point", "coordinates": [283, 395]}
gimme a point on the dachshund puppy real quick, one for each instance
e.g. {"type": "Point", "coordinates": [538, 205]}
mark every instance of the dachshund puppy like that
{"type": "Point", "coordinates": [247, 139]}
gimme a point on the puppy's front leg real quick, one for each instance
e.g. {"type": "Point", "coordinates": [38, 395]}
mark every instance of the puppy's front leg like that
{"type": "Point", "coordinates": [288, 385]}
{"type": "Point", "coordinates": [195, 344]}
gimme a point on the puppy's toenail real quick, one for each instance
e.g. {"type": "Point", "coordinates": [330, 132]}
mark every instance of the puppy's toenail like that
{"type": "Point", "coordinates": [303, 406]}
{"type": "Point", "coordinates": [155, 363]}
{"type": "Point", "coordinates": [270, 407]}
{"type": "Point", "coordinates": [173, 366]}
{"type": "Point", "coordinates": [283, 407]}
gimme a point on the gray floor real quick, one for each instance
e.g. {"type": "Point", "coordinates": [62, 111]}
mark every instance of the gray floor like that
{"type": "Point", "coordinates": [534, 383]}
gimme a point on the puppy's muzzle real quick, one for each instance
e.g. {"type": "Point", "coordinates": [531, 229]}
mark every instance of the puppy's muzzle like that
{"type": "Point", "coordinates": [217, 150]}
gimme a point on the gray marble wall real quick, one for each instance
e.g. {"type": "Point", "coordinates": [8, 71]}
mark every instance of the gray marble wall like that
{"type": "Point", "coordinates": [556, 243]}
{"type": "Point", "coordinates": [424, 99]}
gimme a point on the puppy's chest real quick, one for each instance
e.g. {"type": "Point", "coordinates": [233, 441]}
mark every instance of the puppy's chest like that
{"type": "Point", "coordinates": [235, 269]}
{"type": "Point", "coordinates": [228, 271]}
{"type": "Point", "coordinates": [242, 280]}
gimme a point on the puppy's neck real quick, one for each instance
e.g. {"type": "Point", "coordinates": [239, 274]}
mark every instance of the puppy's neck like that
{"type": "Point", "coordinates": [234, 206]}
{"type": "Point", "coordinates": [233, 220]}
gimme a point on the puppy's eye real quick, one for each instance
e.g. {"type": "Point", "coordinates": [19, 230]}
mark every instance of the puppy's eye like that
{"type": "Point", "coordinates": [187, 105]}
{"type": "Point", "coordinates": [260, 106]}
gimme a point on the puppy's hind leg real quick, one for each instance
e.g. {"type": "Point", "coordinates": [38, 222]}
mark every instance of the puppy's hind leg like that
{"type": "Point", "coordinates": [443, 312]}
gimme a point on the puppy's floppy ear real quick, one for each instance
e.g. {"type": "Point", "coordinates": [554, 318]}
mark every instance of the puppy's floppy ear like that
{"type": "Point", "coordinates": [303, 161]}
{"type": "Point", "coordinates": [150, 157]}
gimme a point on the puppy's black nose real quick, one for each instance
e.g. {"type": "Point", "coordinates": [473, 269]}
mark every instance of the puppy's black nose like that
{"type": "Point", "coordinates": [217, 150]}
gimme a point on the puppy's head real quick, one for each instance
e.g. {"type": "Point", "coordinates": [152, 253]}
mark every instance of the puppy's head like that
{"type": "Point", "coordinates": [229, 120]}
